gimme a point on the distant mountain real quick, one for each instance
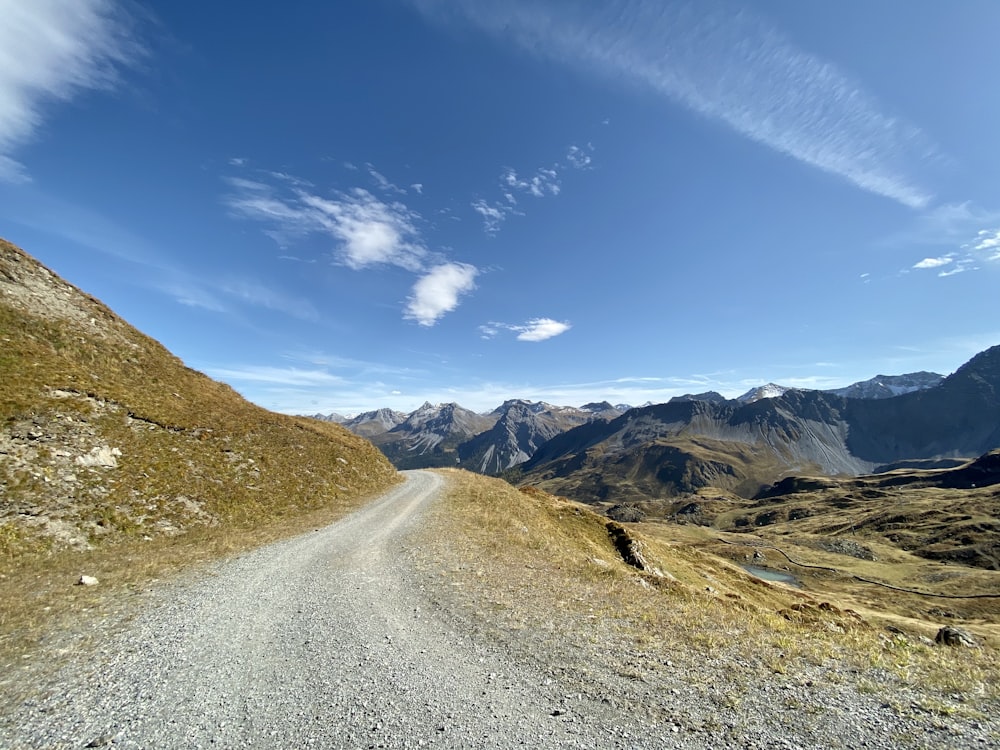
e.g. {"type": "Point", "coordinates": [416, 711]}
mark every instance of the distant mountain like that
{"type": "Point", "coordinates": [768, 390]}
{"type": "Point", "coordinates": [370, 424]}
{"type": "Point", "coordinates": [712, 396]}
{"type": "Point", "coordinates": [511, 434]}
{"type": "Point", "coordinates": [604, 409]}
{"type": "Point", "coordinates": [331, 417]}
{"type": "Point", "coordinates": [521, 428]}
{"type": "Point", "coordinates": [887, 386]}
{"type": "Point", "coordinates": [675, 448]}
{"type": "Point", "coordinates": [430, 436]}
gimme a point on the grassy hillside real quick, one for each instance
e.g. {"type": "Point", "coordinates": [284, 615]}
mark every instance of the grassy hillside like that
{"type": "Point", "coordinates": [113, 453]}
{"type": "Point", "coordinates": [527, 565]}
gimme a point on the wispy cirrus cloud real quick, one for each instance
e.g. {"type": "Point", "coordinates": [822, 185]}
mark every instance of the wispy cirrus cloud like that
{"type": "Point", "coordinates": [536, 329]}
{"type": "Point", "coordinates": [969, 236]}
{"type": "Point", "coordinates": [52, 51]}
{"type": "Point", "coordinates": [261, 295]}
{"type": "Point", "coordinates": [368, 232]}
{"type": "Point", "coordinates": [725, 64]}
{"type": "Point", "coordinates": [289, 376]}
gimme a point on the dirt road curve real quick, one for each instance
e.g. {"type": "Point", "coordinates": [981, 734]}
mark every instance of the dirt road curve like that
{"type": "Point", "coordinates": [320, 641]}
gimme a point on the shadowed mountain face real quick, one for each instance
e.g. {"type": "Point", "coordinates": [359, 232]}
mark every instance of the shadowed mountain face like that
{"type": "Point", "coordinates": [105, 435]}
{"type": "Point", "coordinates": [430, 436]}
{"type": "Point", "coordinates": [522, 428]}
{"type": "Point", "coordinates": [669, 449]}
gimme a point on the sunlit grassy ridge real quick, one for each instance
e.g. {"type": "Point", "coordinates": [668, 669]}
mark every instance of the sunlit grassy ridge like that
{"type": "Point", "coordinates": [114, 455]}
{"type": "Point", "coordinates": [534, 561]}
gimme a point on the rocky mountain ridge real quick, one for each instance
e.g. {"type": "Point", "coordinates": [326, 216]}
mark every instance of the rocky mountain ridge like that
{"type": "Point", "coordinates": [681, 447]}
{"type": "Point", "coordinates": [511, 434]}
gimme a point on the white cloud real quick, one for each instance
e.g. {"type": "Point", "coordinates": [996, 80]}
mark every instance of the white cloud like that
{"type": "Point", "coordinates": [368, 231]}
{"type": "Point", "coordinates": [988, 239]}
{"type": "Point", "coordinates": [725, 64]}
{"type": "Point", "coordinates": [52, 50]}
{"type": "Point", "coordinates": [960, 268]}
{"type": "Point", "coordinates": [944, 260]}
{"type": "Point", "coordinates": [383, 182]}
{"type": "Point", "coordinates": [537, 329]}
{"type": "Point", "coordinates": [493, 215]}
{"type": "Point", "coordinates": [541, 329]}
{"type": "Point", "coordinates": [579, 157]}
{"type": "Point", "coordinates": [437, 292]}
{"type": "Point", "coordinates": [417, 187]}
{"type": "Point", "coordinates": [948, 226]}
{"type": "Point", "coordinates": [544, 182]}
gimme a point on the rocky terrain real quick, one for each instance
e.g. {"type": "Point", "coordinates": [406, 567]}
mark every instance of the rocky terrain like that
{"type": "Point", "coordinates": [105, 437]}
{"type": "Point", "coordinates": [668, 450]}
{"type": "Point", "coordinates": [548, 637]}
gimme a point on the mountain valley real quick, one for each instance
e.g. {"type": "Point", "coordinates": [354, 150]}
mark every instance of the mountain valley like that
{"type": "Point", "coordinates": [620, 580]}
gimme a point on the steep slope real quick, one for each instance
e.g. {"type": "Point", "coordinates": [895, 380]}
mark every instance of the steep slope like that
{"type": "Point", "coordinates": [521, 428]}
{"type": "Point", "coordinates": [430, 436]}
{"type": "Point", "coordinates": [104, 435]}
{"type": "Point", "coordinates": [958, 418]}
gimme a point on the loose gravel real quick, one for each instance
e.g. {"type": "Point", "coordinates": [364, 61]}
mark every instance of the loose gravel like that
{"type": "Point", "coordinates": [336, 640]}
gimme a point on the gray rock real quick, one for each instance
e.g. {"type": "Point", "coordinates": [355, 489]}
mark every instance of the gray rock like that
{"type": "Point", "coordinates": [949, 635]}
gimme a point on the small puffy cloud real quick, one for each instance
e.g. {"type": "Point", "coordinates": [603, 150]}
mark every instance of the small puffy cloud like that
{"type": "Point", "coordinates": [51, 50]}
{"type": "Point", "coordinates": [541, 329]}
{"type": "Point", "coordinates": [493, 215]}
{"type": "Point", "coordinates": [988, 239]}
{"type": "Point", "coordinates": [944, 260]}
{"type": "Point", "coordinates": [417, 187]}
{"type": "Point", "coordinates": [438, 291]}
{"type": "Point", "coordinates": [579, 157]}
{"type": "Point", "coordinates": [536, 329]}
{"type": "Point", "coordinates": [544, 182]}
{"type": "Point", "coordinates": [370, 231]}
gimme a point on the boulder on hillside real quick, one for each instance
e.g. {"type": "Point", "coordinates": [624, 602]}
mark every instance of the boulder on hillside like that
{"type": "Point", "coordinates": [949, 635]}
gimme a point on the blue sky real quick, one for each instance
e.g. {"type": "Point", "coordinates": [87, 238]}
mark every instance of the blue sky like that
{"type": "Point", "coordinates": [343, 206]}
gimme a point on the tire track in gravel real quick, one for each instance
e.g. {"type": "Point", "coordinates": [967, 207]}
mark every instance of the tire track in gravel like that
{"type": "Point", "coordinates": [319, 641]}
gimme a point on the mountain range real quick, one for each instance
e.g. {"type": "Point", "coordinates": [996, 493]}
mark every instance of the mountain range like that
{"type": "Point", "coordinates": [601, 452]}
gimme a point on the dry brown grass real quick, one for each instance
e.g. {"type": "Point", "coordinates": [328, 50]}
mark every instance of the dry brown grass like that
{"type": "Point", "coordinates": [539, 562]}
{"type": "Point", "coordinates": [200, 472]}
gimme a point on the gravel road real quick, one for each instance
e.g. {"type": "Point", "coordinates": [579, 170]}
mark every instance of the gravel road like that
{"type": "Point", "coordinates": [318, 641]}
{"type": "Point", "coordinates": [353, 637]}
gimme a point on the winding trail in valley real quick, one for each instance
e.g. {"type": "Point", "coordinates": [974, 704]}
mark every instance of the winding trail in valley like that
{"type": "Point", "coordinates": [322, 640]}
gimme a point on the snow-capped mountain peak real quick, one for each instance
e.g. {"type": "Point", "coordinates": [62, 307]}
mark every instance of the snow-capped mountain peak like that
{"type": "Point", "coordinates": [768, 390]}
